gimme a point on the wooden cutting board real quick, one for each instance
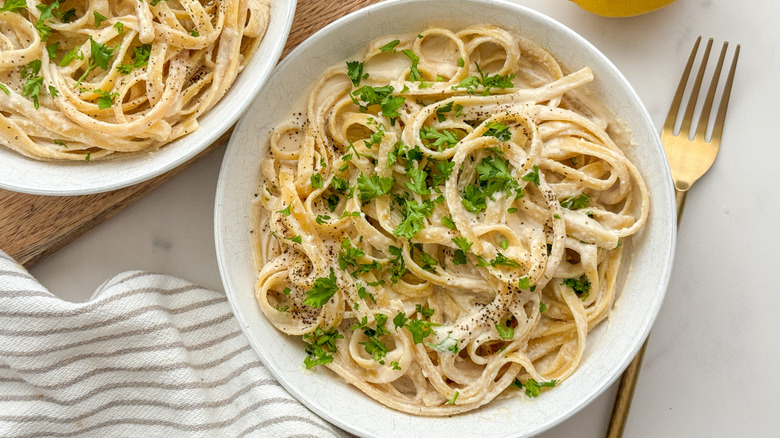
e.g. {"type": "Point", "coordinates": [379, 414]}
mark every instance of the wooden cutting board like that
{"type": "Point", "coordinates": [32, 227]}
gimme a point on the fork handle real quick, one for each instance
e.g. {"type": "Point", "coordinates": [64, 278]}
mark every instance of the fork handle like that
{"type": "Point", "coordinates": [625, 392]}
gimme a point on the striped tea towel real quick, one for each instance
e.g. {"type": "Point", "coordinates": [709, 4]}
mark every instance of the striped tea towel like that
{"type": "Point", "coordinates": [149, 355]}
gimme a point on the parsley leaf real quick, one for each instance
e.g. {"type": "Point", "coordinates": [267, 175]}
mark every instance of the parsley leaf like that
{"type": "Point", "coordinates": [33, 81]}
{"type": "Point", "coordinates": [324, 288]}
{"type": "Point", "coordinates": [318, 345]}
{"type": "Point", "coordinates": [487, 81]}
{"type": "Point", "coordinates": [5, 90]}
{"type": "Point", "coordinates": [417, 182]}
{"type": "Point", "coordinates": [505, 331]}
{"type": "Point", "coordinates": [581, 286]}
{"type": "Point", "coordinates": [462, 243]}
{"type": "Point", "coordinates": [74, 53]}
{"type": "Point", "coordinates": [370, 187]}
{"type": "Point", "coordinates": [390, 106]}
{"type": "Point", "coordinates": [441, 110]}
{"type": "Point", "coordinates": [448, 222]}
{"type": "Point", "coordinates": [498, 130]}
{"type": "Point", "coordinates": [106, 99]}
{"type": "Point", "coordinates": [389, 47]}
{"type": "Point", "coordinates": [316, 181]}
{"type": "Point", "coordinates": [99, 18]}
{"type": "Point", "coordinates": [532, 387]}
{"type": "Point", "coordinates": [414, 214]}
{"type": "Point", "coordinates": [100, 56]}
{"type": "Point", "coordinates": [459, 258]}
{"type": "Point", "coordinates": [474, 199]}
{"type": "Point", "coordinates": [576, 202]}
{"type": "Point", "coordinates": [399, 320]}
{"type": "Point", "coordinates": [285, 211]}
{"type": "Point", "coordinates": [428, 262]}
{"type": "Point", "coordinates": [441, 140]}
{"type": "Point", "coordinates": [47, 12]}
{"type": "Point", "coordinates": [397, 266]}
{"type": "Point", "coordinates": [494, 175]}
{"type": "Point", "coordinates": [502, 260]}
{"type": "Point", "coordinates": [420, 329]}
{"type": "Point", "coordinates": [414, 74]}
{"type": "Point", "coordinates": [13, 5]}
{"type": "Point", "coordinates": [533, 176]}
{"type": "Point", "coordinates": [355, 71]}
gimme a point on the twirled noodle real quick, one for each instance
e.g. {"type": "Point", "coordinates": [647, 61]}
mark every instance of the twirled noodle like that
{"type": "Point", "coordinates": [446, 220]}
{"type": "Point", "coordinates": [83, 79]}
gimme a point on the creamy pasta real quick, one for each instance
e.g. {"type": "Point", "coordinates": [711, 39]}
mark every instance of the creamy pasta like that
{"type": "Point", "coordinates": [445, 219]}
{"type": "Point", "coordinates": [81, 80]}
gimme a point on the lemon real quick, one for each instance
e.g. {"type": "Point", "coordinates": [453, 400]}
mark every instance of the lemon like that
{"type": "Point", "coordinates": [621, 8]}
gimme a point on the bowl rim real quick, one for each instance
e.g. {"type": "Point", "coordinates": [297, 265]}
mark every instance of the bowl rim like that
{"type": "Point", "coordinates": [64, 179]}
{"type": "Point", "coordinates": [665, 191]}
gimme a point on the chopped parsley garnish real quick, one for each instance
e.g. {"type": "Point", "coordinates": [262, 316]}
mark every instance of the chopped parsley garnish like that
{"type": "Point", "coordinates": [428, 262]}
{"type": "Point", "coordinates": [502, 260]}
{"type": "Point", "coordinates": [47, 12]}
{"type": "Point", "coordinates": [194, 33]}
{"type": "Point", "coordinates": [52, 49]}
{"type": "Point", "coordinates": [441, 110]}
{"type": "Point", "coordinates": [349, 254]}
{"type": "Point", "coordinates": [542, 307]}
{"type": "Point", "coordinates": [487, 82]}
{"type": "Point", "coordinates": [33, 81]}
{"type": "Point", "coordinates": [53, 91]}
{"type": "Point", "coordinates": [370, 187]}
{"type": "Point", "coordinates": [420, 329]}
{"type": "Point", "coordinates": [580, 285]}
{"type": "Point", "coordinates": [494, 176]}
{"type": "Point", "coordinates": [424, 311]}
{"type": "Point", "coordinates": [376, 348]}
{"type": "Point", "coordinates": [414, 214]}
{"type": "Point", "coordinates": [474, 199]}
{"type": "Point", "coordinates": [106, 99]}
{"type": "Point", "coordinates": [447, 222]}
{"type": "Point", "coordinates": [140, 59]}
{"type": "Point", "coordinates": [318, 345]}
{"type": "Point", "coordinates": [74, 53]}
{"type": "Point", "coordinates": [389, 47]}
{"type": "Point", "coordinates": [333, 202]}
{"type": "Point", "coordinates": [373, 95]}
{"type": "Point", "coordinates": [397, 266]}
{"type": "Point", "coordinates": [532, 387]}
{"type": "Point", "coordinates": [120, 27]}
{"type": "Point", "coordinates": [459, 258]}
{"type": "Point", "coordinates": [316, 181]}
{"type": "Point", "coordinates": [576, 202]}
{"type": "Point", "coordinates": [100, 56]}
{"type": "Point", "coordinates": [99, 18]}
{"type": "Point", "coordinates": [498, 130]}
{"type": "Point", "coordinates": [399, 320]}
{"type": "Point", "coordinates": [390, 106]}
{"type": "Point", "coordinates": [452, 400]}
{"type": "Point", "coordinates": [297, 239]}
{"type": "Point", "coordinates": [5, 89]}
{"type": "Point", "coordinates": [417, 182]}
{"type": "Point", "coordinates": [13, 5]}
{"type": "Point", "coordinates": [462, 243]}
{"type": "Point", "coordinates": [355, 72]}
{"type": "Point", "coordinates": [525, 283]}
{"type": "Point", "coordinates": [324, 288]}
{"type": "Point", "coordinates": [340, 185]}
{"type": "Point", "coordinates": [414, 74]}
{"type": "Point", "coordinates": [322, 219]}
{"type": "Point", "coordinates": [285, 211]}
{"type": "Point", "coordinates": [505, 331]}
{"type": "Point", "coordinates": [533, 176]}
{"type": "Point", "coordinates": [441, 140]}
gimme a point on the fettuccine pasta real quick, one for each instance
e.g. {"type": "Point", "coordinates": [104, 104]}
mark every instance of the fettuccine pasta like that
{"type": "Point", "coordinates": [81, 80]}
{"type": "Point", "coordinates": [445, 220]}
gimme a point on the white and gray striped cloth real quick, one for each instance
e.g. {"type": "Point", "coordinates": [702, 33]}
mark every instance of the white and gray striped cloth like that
{"type": "Point", "coordinates": [149, 355]}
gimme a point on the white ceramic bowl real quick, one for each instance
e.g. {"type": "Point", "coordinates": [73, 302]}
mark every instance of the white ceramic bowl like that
{"type": "Point", "coordinates": [610, 346]}
{"type": "Point", "coordinates": [57, 178]}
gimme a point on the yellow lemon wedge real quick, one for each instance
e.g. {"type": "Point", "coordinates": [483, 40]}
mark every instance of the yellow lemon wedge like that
{"type": "Point", "coordinates": [621, 8]}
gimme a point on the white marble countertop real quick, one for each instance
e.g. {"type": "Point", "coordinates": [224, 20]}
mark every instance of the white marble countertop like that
{"type": "Point", "coordinates": [712, 361]}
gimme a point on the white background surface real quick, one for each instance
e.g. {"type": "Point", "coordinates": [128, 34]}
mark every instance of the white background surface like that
{"type": "Point", "coordinates": [711, 368]}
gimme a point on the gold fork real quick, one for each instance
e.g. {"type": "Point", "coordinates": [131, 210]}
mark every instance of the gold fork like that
{"type": "Point", "coordinates": [689, 159]}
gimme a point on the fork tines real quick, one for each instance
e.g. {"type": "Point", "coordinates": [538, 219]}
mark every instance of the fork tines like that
{"type": "Point", "coordinates": [701, 124]}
